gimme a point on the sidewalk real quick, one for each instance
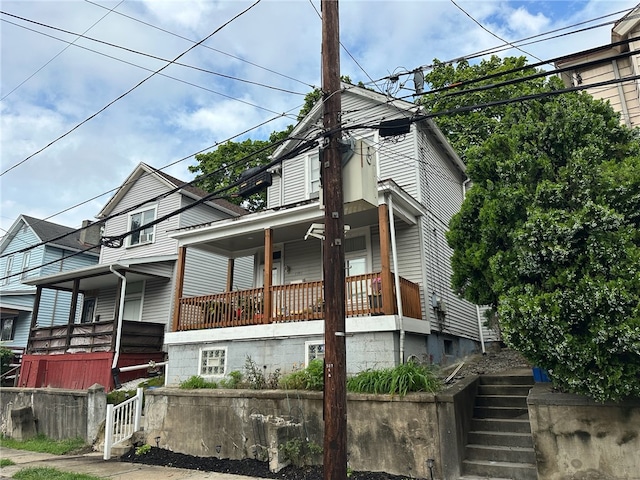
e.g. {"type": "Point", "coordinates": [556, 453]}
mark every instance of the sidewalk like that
{"type": "Point", "coordinates": [93, 464]}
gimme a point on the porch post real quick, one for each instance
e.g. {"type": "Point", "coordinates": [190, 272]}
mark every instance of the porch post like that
{"type": "Point", "coordinates": [72, 311]}
{"type": "Point", "coordinates": [388, 305]}
{"type": "Point", "coordinates": [34, 316]}
{"type": "Point", "coordinates": [230, 268]}
{"type": "Point", "coordinates": [268, 267]}
{"type": "Point", "coordinates": [179, 287]}
{"type": "Point", "coordinates": [116, 317]}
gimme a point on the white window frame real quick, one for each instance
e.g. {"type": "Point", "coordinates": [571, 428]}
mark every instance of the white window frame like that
{"type": "Point", "coordinates": [12, 333]}
{"type": "Point", "coordinates": [312, 183]}
{"type": "Point", "coordinates": [307, 351]}
{"type": "Point", "coordinates": [151, 231]}
{"type": "Point", "coordinates": [7, 270]}
{"type": "Point", "coordinates": [128, 297]}
{"type": "Point", "coordinates": [26, 259]}
{"type": "Point", "coordinates": [201, 359]}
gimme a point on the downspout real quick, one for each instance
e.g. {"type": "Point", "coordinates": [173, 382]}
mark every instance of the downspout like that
{"type": "Point", "coordinates": [478, 315]}
{"type": "Point", "coordinates": [123, 292]}
{"type": "Point", "coordinates": [623, 99]}
{"type": "Point", "coordinates": [394, 254]}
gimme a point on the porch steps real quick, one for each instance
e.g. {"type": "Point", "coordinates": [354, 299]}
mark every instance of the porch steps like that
{"type": "Point", "coordinates": [500, 445]}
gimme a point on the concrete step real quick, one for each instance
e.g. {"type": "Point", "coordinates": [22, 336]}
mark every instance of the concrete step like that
{"type": "Point", "coordinates": [490, 469]}
{"type": "Point", "coordinates": [501, 425]}
{"type": "Point", "coordinates": [505, 439]}
{"type": "Point", "coordinates": [501, 453]}
{"type": "Point", "coordinates": [500, 412]}
{"type": "Point", "coordinates": [506, 380]}
{"type": "Point", "coordinates": [504, 390]}
{"type": "Point", "coordinates": [501, 401]}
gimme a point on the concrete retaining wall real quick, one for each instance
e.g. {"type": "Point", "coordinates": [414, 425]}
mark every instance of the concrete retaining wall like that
{"type": "Point", "coordinates": [59, 414]}
{"type": "Point", "coordinates": [577, 438]}
{"type": "Point", "coordinates": [391, 434]}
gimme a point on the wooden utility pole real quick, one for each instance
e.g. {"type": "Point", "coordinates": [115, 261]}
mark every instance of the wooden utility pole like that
{"type": "Point", "coordinates": [335, 379]}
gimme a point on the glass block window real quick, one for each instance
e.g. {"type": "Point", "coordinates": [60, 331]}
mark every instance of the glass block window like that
{"type": "Point", "coordinates": [212, 361]}
{"type": "Point", "coordinates": [314, 350]}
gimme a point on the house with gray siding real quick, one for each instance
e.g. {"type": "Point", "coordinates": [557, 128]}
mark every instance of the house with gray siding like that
{"type": "Point", "coordinates": [399, 195]}
{"type": "Point", "coordinates": [128, 295]}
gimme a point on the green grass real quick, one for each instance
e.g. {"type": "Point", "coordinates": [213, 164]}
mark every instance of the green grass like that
{"type": "Point", "coordinates": [43, 444]}
{"type": "Point", "coordinates": [47, 473]}
{"type": "Point", "coordinates": [5, 462]}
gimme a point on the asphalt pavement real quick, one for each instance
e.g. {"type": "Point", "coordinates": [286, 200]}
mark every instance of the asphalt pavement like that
{"type": "Point", "coordinates": [93, 464]}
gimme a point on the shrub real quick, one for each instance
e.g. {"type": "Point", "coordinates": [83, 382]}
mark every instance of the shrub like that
{"type": "Point", "coordinates": [310, 378]}
{"type": "Point", "coordinates": [234, 380]}
{"type": "Point", "coordinates": [196, 382]}
{"type": "Point", "coordinates": [257, 378]}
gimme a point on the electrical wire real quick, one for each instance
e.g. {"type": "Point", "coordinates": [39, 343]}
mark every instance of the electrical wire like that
{"type": "Point", "coordinates": [61, 51]}
{"type": "Point", "coordinates": [506, 42]}
{"type": "Point", "coordinates": [130, 90]}
{"type": "Point", "coordinates": [207, 46]}
{"type": "Point", "coordinates": [148, 55]}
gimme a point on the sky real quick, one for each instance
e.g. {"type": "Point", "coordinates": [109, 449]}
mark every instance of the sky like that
{"type": "Point", "coordinates": [78, 113]}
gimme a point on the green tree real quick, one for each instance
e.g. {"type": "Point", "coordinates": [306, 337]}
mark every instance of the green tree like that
{"type": "Point", "coordinates": [472, 128]}
{"type": "Point", "coordinates": [550, 235]}
{"type": "Point", "coordinates": [224, 165]}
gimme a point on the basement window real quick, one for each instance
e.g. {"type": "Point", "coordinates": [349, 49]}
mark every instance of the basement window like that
{"type": "Point", "coordinates": [213, 361]}
{"type": "Point", "coordinates": [314, 349]}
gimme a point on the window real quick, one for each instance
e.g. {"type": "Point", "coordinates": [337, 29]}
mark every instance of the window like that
{"type": "Point", "coordinates": [88, 310]}
{"type": "Point", "coordinates": [314, 349]}
{"type": "Point", "coordinates": [136, 220]}
{"type": "Point", "coordinates": [7, 270]}
{"type": "Point", "coordinates": [212, 361]}
{"type": "Point", "coordinates": [313, 177]}
{"type": "Point", "coordinates": [26, 258]}
{"type": "Point", "coordinates": [7, 328]}
{"type": "Point", "coordinates": [133, 301]}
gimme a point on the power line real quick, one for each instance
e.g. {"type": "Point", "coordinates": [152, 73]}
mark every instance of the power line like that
{"type": "Point", "coordinates": [490, 32]}
{"type": "Point", "coordinates": [131, 89]}
{"type": "Point", "coordinates": [60, 52]}
{"type": "Point", "coordinates": [150, 70]}
{"type": "Point", "coordinates": [148, 55]}
{"type": "Point", "coordinates": [206, 46]}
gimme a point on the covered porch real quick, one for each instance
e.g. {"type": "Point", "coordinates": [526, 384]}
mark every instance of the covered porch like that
{"type": "Point", "coordinates": [381, 291]}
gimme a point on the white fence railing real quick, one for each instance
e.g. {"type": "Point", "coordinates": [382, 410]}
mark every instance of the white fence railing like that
{"type": "Point", "coordinates": [123, 420]}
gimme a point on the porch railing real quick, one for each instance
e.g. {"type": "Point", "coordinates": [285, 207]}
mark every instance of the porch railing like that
{"type": "Point", "coordinates": [291, 303]}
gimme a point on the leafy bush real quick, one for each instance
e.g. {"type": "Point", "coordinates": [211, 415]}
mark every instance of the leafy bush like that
{"type": "Point", "coordinates": [196, 382]}
{"type": "Point", "coordinates": [234, 380]}
{"type": "Point", "coordinates": [310, 378]}
{"type": "Point", "coordinates": [400, 380]}
{"type": "Point", "coordinates": [116, 397]}
{"type": "Point", "coordinates": [300, 452]}
{"type": "Point", "coordinates": [5, 359]}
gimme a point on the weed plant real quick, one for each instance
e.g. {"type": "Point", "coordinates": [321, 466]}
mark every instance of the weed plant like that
{"type": "Point", "coordinates": [405, 378]}
{"type": "Point", "coordinates": [310, 378]}
{"type": "Point", "coordinates": [195, 382]}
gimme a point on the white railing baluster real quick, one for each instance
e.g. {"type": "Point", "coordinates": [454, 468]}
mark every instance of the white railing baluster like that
{"type": "Point", "coordinates": [122, 422]}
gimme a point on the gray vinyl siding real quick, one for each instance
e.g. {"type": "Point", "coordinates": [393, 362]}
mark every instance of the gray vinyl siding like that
{"type": "Point", "coordinates": [54, 308]}
{"type": "Point", "coordinates": [106, 304]}
{"type": "Point", "coordinates": [157, 301]}
{"type": "Point", "coordinates": [199, 214]}
{"type": "Point", "coordinates": [205, 273]}
{"type": "Point", "coordinates": [304, 258]}
{"type": "Point", "coordinates": [22, 327]}
{"type": "Point", "coordinates": [274, 192]}
{"type": "Point", "coordinates": [146, 187]}
{"type": "Point", "coordinates": [293, 174]}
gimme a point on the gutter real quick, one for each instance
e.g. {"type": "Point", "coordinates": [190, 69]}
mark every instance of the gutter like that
{"type": "Point", "coordinates": [394, 254]}
{"type": "Point", "coordinates": [123, 292]}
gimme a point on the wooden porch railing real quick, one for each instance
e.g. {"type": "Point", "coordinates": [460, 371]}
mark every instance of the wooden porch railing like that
{"type": "Point", "coordinates": [291, 303]}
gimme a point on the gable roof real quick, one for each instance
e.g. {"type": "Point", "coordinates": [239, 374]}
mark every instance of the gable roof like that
{"type": "Point", "coordinates": [172, 183]}
{"type": "Point", "coordinates": [49, 233]}
{"type": "Point", "coordinates": [397, 109]}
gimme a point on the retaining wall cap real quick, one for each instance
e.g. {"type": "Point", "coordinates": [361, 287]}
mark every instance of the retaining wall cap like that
{"type": "Point", "coordinates": [543, 394]}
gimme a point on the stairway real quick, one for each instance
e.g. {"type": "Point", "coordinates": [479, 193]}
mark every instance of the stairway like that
{"type": "Point", "coordinates": [500, 445]}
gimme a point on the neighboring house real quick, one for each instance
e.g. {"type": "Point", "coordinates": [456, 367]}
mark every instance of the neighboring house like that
{"type": "Point", "coordinates": [619, 60]}
{"type": "Point", "coordinates": [128, 294]}
{"type": "Point", "coordinates": [399, 196]}
{"type": "Point", "coordinates": [58, 249]}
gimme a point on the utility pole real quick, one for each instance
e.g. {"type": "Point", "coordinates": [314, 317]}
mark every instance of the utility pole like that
{"type": "Point", "coordinates": [335, 376]}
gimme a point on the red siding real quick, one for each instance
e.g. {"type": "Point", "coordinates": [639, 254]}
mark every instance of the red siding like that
{"type": "Point", "coordinates": [78, 371]}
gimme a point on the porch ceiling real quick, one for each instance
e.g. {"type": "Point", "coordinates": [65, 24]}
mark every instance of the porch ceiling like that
{"type": "Point", "coordinates": [245, 235]}
{"type": "Point", "coordinates": [93, 278]}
